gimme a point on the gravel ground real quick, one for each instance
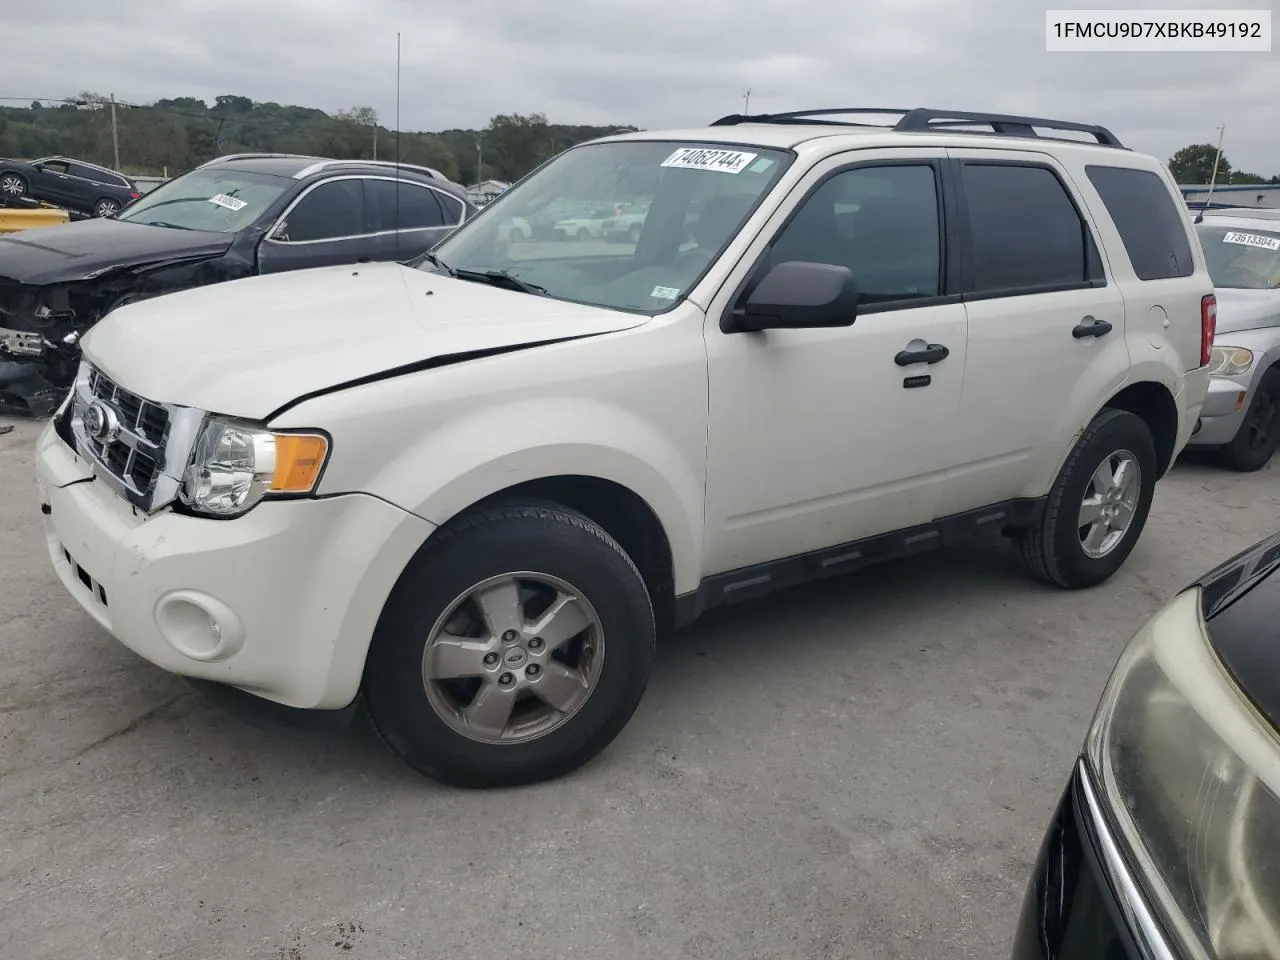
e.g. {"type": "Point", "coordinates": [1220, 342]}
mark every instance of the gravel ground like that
{"type": "Point", "coordinates": [859, 769]}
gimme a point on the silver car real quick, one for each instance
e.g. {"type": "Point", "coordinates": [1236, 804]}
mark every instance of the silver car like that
{"type": "Point", "coordinates": [1241, 416]}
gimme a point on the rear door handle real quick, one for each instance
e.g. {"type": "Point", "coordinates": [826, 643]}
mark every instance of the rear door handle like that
{"type": "Point", "coordinates": [933, 353]}
{"type": "Point", "coordinates": [1090, 327]}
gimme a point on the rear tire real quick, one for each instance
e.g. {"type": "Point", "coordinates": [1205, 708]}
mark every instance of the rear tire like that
{"type": "Point", "coordinates": [423, 708]}
{"type": "Point", "coordinates": [1065, 551]}
{"type": "Point", "coordinates": [106, 207]}
{"type": "Point", "coordinates": [1259, 435]}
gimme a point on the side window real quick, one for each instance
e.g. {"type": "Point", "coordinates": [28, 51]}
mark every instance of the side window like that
{"type": "Point", "coordinates": [1025, 229]}
{"type": "Point", "coordinates": [55, 166]}
{"type": "Point", "coordinates": [418, 208]}
{"type": "Point", "coordinates": [452, 209]}
{"type": "Point", "coordinates": [1151, 226]}
{"type": "Point", "coordinates": [90, 173]}
{"type": "Point", "coordinates": [332, 210]}
{"type": "Point", "coordinates": [881, 223]}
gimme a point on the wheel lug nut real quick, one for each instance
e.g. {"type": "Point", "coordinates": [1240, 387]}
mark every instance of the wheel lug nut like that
{"type": "Point", "coordinates": [532, 670]}
{"type": "Point", "coordinates": [535, 643]}
{"type": "Point", "coordinates": [509, 636]}
{"type": "Point", "coordinates": [490, 659]}
{"type": "Point", "coordinates": [506, 680]}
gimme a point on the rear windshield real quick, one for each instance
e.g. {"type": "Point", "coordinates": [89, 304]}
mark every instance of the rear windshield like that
{"type": "Point", "coordinates": [219, 200]}
{"type": "Point", "coordinates": [1241, 257]}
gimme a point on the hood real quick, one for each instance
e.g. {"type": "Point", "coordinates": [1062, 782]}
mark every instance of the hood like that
{"type": "Point", "coordinates": [87, 248]}
{"type": "Point", "coordinates": [1240, 309]}
{"type": "Point", "coordinates": [246, 348]}
{"type": "Point", "coordinates": [1240, 601]}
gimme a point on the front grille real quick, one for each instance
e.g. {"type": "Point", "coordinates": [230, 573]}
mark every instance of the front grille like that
{"type": "Point", "coordinates": [137, 446]}
{"type": "Point", "coordinates": [133, 452]}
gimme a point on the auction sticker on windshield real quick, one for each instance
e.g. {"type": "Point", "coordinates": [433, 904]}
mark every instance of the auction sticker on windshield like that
{"type": "Point", "coordinates": [231, 203]}
{"type": "Point", "coordinates": [702, 158]}
{"type": "Point", "coordinates": [1252, 240]}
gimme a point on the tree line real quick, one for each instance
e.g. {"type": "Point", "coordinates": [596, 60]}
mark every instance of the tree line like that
{"type": "Point", "coordinates": [1193, 164]}
{"type": "Point", "coordinates": [171, 136]}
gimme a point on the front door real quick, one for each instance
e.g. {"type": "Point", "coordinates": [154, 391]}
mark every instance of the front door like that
{"type": "Point", "coordinates": [821, 437]}
{"type": "Point", "coordinates": [324, 227]}
{"type": "Point", "coordinates": [52, 181]}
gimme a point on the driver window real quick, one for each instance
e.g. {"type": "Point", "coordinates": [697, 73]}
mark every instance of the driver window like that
{"type": "Point", "coordinates": [55, 166]}
{"type": "Point", "coordinates": [331, 211]}
{"type": "Point", "coordinates": [880, 222]}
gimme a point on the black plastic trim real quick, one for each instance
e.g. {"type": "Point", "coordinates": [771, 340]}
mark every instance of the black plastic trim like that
{"type": "Point", "coordinates": [758, 580]}
{"type": "Point", "coordinates": [927, 120]}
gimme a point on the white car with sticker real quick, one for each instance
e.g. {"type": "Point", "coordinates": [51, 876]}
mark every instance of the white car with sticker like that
{"type": "Point", "coordinates": [1241, 416]}
{"type": "Point", "coordinates": [471, 492]}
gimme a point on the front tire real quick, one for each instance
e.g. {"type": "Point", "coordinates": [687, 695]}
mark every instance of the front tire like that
{"type": "Point", "coordinates": [1098, 504]}
{"type": "Point", "coordinates": [12, 187]}
{"type": "Point", "coordinates": [515, 647]}
{"type": "Point", "coordinates": [1259, 435]}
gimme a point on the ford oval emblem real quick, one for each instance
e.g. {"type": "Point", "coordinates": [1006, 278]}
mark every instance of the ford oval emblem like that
{"type": "Point", "coordinates": [100, 422]}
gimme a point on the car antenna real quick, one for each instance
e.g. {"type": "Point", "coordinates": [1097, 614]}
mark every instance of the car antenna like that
{"type": "Point", "coordinates": [397, 201]}
{"type": "Point", "coordinates": [1213, 180]}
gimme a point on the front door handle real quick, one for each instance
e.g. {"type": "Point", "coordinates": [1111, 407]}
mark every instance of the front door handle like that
{"type": "Point", "coordinates": [1090, 327]}
{"type": "Point", "coordinates": [933, 353]}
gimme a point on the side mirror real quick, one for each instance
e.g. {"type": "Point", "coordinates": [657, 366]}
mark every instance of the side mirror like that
{"type": "Point", "coordinates": [797, 295]}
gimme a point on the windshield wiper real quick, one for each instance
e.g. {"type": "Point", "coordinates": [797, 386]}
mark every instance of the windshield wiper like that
{"type": "Point", "coordinates": [500, 278]}
{"type": "Point", "coordinates": [166, 223]}
{"type": "Point", "coordinates": [435, 261]}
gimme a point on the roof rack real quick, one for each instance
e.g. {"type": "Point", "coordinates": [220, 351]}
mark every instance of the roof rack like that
{"type": "Point", "coordinates": [254, 156]}
{"type": "Point", "coordinates": [389, 164]}
{"type": "Point", "coordinates": [924, 120]}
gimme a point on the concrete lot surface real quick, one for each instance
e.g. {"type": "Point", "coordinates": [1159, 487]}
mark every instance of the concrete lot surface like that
{"type": "Point", "coordinates": [856, 769]}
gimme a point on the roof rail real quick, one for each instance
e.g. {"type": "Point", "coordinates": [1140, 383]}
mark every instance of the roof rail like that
{"type": "Point", "coordinates": [389, 164]}
{"type": "Point", "coordinates": [923, 120]}
{"type": "Point", "coordinates": [254, 156]}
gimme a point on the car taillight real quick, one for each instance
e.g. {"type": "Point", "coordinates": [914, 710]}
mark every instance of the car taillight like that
{"type": "Point", "coordinates": [1208, 326]}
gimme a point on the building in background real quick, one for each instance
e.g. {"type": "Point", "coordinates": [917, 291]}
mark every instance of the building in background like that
{"type": "Point", "coordinates": [482, 193]}
{"type": "Point", "coordinates": [1266, 195]}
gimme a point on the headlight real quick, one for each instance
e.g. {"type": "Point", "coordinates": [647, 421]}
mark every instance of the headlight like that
{"type": "Point", "coordinates": [1191, 774]}
{"type": "Point", "coordinates": [1229, 361]}
{"type": "Point", "coordinates": [236, 465]}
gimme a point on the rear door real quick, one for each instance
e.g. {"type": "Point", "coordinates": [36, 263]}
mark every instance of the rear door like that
{"type": "Point", "coordinates": [325, 225]}
{"type": "Point", "coordinates": [88, 184]}
{"type": "Point", "coordinates": [407, 218]}
{"type": "Point", "coordinates": [1046, 326]}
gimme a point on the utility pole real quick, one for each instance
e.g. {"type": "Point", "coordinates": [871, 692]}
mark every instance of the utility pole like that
{"type": "Point", "coordinates": [479, 161]}
{"type": "Point", "coordinates": [115, 133]}
{"type": "Point", "coordinates": [746, 102]}
{"type": "Point", "coordinates": [375, 140]}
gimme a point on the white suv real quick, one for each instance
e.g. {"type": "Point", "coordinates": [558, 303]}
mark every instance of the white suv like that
{"type": "Point", "coordinates": [474, 489]}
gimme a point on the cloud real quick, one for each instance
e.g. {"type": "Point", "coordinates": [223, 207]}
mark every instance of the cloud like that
{"type": "Point", "coordinates": [653, 63]}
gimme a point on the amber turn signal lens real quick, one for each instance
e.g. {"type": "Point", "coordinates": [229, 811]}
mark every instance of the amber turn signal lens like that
{"type": "Point", "coordinates": [299, 460]}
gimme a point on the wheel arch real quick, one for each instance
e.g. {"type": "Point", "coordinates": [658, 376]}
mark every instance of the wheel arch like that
{"type": "Point", "coordinates": [1155, 406]}
{"type": "Point", "coordinates": [619, 511]}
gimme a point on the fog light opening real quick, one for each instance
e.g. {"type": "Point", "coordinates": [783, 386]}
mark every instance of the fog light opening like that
{"type": "Point", "coordinates": [198, 626]}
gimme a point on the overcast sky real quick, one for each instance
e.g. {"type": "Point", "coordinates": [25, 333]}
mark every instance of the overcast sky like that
{"type": "Point", "coordinates": [652, 63]}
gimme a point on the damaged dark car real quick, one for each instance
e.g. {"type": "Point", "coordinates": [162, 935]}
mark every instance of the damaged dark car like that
{"type": "Point", "coordinates": [231, 218]}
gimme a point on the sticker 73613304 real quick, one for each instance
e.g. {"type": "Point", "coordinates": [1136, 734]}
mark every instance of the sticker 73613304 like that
{"type": "Point", "coordinates": [1260, 240]}
{"type": "Point", "coordinates": [704, 158]}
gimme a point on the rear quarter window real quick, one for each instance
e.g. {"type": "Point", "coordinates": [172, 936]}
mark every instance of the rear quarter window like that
{"type": "Point", "coordinates": [1151, 225]}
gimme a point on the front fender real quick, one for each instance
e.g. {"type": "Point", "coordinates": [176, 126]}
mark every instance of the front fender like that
{"type": "Point", "coordinates": [453, 464]}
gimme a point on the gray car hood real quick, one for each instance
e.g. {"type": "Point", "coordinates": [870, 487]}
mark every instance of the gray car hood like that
{"type": "Point", "coordinates": [1240, 309]}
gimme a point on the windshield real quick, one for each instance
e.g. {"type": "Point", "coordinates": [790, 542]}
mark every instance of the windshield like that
{"type": "Point", "coordinates": [220, 200]}
{"type": "Point", "coordinates": [1241, 257]}
{"type": "Point", "coordinates": [630, 225]}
